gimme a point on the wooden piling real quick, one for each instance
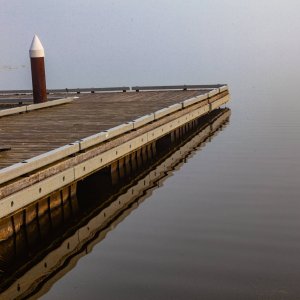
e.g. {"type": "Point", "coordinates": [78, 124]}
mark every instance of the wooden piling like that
{"type": "Point", "coordinates": [37, 59]}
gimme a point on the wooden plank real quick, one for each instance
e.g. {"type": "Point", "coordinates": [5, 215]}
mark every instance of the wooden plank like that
{"type": "Point", "coordinates": [177, 87]}
{"type": "Point", "coordinates": [33, 192]}
{"type": "Point", "coordinates": [35, 106]}
{"type": "Point", "coordinates": [90, 90]}
{"type": "Point", "coordinates": [40, 131]}
{"type": "Point", "coordinates": [68, 90]}
{"type": "Point", "coordinates": [53, 169]}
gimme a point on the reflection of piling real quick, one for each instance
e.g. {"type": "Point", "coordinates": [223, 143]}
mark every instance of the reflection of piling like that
{"type": "Point", "coordinates": [37, 55]}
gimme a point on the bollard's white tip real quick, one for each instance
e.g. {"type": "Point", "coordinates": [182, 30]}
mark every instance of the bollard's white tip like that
{"type": "Point", "coordinates": [36, 48]}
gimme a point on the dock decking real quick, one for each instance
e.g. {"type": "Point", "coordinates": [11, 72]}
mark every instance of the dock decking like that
{"type": "Point", "coordinates": [51, 148]}
{"type": "Point", "coordinates": [36, 132]}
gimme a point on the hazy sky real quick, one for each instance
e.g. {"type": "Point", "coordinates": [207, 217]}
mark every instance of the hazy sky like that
{"type": "Point", "coordinates": [112, 43]}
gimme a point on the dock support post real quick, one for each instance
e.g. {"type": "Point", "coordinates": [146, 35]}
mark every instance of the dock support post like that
{"type": "Point", "coordinates": [127, 164]}
{"type": "Point", "coordinates": [144, 154]}
{"type": "Point", "coordinates": [37, 55]}
{"type": "Point", "coordinates": [149, 151]}
{"type": "Point", "coordinates": [173, 137]}
{"type": "Point", "coordinates": [121, 167]}
{"type": "Point", "coordinates": [133, 162]}
{"type": "Point", "coordinates": [139, 158]}
{"type": "Point", "coordinates": [154, 149]}
{"type": "Point", "coordinates": [114, 173]}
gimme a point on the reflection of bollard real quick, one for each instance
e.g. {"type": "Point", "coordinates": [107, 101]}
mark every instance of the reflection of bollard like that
{"type": "Point", "coordinates": [37, 55]}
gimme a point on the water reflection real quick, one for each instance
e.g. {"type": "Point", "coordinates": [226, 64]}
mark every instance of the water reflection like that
{"type": "Point", "coordinates": [42, 243]}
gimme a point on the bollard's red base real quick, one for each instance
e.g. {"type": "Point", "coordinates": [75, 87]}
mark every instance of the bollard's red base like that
{"type": "Point", "coordinates": [38, 79]}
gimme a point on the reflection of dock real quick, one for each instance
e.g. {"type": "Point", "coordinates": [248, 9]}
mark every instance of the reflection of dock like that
{"type": "Point", "coordinates": [82, 149]}
{"type": "Point", "coordinates": [37, 273]}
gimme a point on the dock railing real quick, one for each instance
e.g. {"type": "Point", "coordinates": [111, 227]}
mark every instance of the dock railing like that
{"type": "Point", "coordinates": [118, 89]}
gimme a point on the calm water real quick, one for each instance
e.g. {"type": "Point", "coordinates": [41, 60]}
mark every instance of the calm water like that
{"type": "Point", "coordinates": [225, 226]}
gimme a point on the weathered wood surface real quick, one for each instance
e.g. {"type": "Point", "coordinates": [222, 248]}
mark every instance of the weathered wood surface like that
{"type": "Point", "coordinates": [36, 132]}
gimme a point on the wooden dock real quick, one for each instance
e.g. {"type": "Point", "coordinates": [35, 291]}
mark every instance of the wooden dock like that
{"type": "Point", "coordinates": [37, 132]}
{"type": "Point", "coordinates": [70, 230]}
{"type": "Point", "coordinates": [49, 148]}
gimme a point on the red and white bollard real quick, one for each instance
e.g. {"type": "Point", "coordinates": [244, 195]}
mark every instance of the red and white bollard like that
{"type": "Point", "coordinates": [37, 55]}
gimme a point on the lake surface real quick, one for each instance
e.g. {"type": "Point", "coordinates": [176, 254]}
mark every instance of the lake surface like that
{"type": "Point", "coordinates": [224, 226]}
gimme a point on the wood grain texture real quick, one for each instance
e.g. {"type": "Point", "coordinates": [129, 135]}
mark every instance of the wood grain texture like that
{"type": "Point", "coordinates": [37, 132]}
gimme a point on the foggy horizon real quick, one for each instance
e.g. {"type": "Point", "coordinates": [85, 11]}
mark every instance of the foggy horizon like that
{"type": "Point", "coordinates": [99, 44]}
